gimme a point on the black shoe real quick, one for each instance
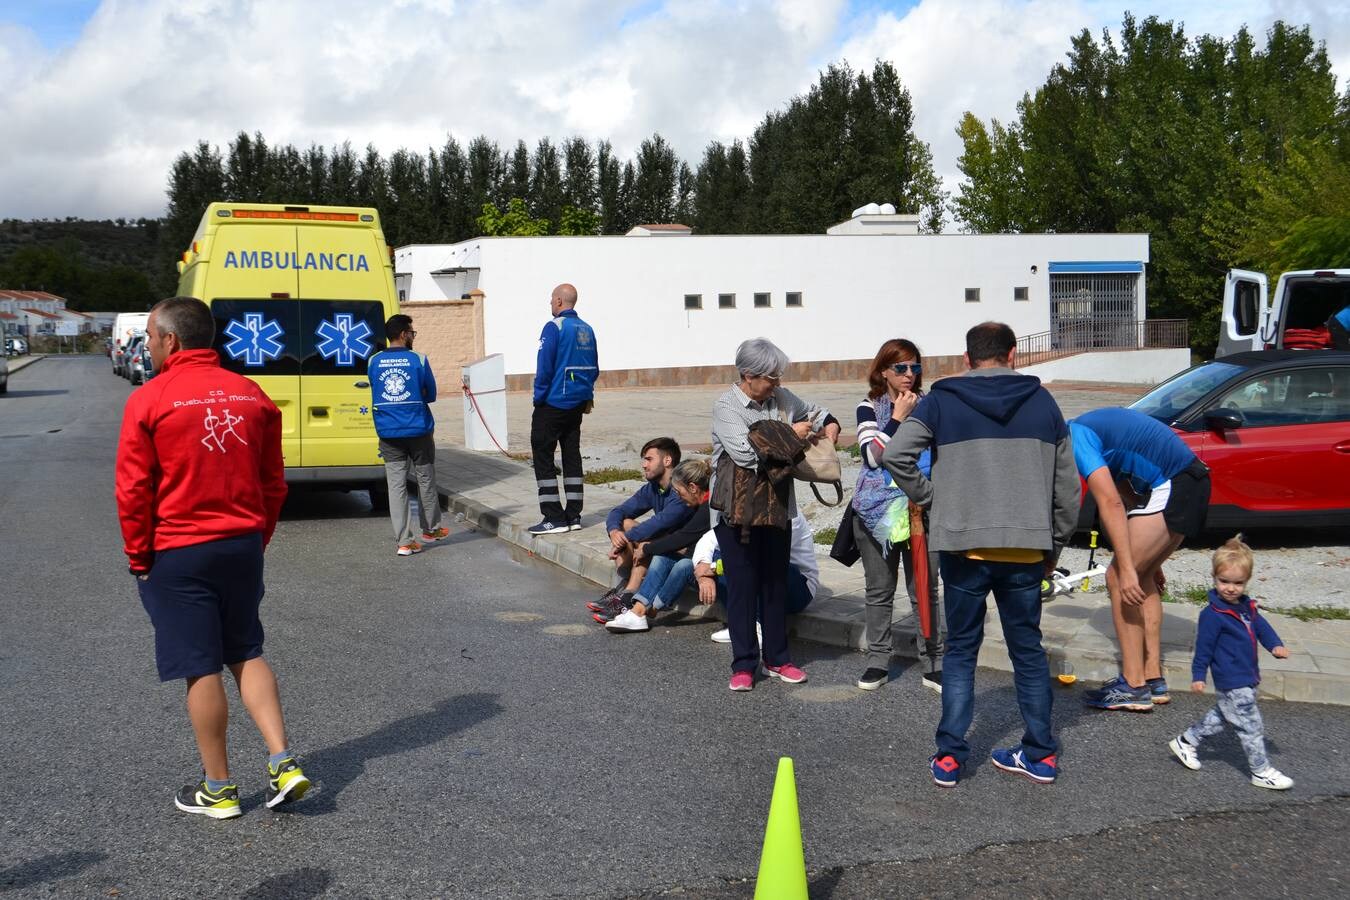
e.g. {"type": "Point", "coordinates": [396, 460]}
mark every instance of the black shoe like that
{"type": "Point", "coordinates": [574, 524]}
{"type": "Point", "coordinates": [933, 681]}
{"type": "Point", "coordinates": [603, 603]}
{"type": "Point", "coordinates": [617, 605]}
{"type": "Point", "coordinates": [873, 678]}
{"type": "Point", "coordinates": [547, 527]}
{"type": "Point", "coordinates": [285, 783]}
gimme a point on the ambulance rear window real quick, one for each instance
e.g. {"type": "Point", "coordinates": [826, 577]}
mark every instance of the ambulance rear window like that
{"type": "Point", "coordinates": [263, 337]}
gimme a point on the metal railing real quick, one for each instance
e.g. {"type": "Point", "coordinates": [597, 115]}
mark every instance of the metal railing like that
{"type": "Point", "coordinates": [1082, 335]}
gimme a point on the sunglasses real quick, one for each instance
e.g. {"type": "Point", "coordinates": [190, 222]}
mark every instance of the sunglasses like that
{"type": "Point", "coordinates": [907, 368]}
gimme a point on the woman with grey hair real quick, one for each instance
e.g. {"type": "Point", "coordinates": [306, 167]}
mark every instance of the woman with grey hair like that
{"type": "Point", "coordinates": [757, 567]}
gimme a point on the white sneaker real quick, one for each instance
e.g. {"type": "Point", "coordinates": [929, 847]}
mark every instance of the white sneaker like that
{"type": "Point", "coordinates": [1184, 752]}
{"type": "Point", "coordinates": [627, 621]}
{"type": "Point", "coordinates": [724, 636]}
{"type": "Point", "coordinates": [1272, 778]}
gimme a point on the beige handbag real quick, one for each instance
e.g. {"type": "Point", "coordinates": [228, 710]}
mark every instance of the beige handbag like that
{"type": "Point", "coordinates": [819, 465]}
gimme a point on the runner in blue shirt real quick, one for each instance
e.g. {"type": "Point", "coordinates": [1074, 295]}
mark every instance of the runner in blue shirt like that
{"type": "Point", "coordinates": [1151, 493]}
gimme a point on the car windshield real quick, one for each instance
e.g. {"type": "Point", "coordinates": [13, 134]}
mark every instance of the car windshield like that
{"type": "Point", "coordinates": [1171, 398]}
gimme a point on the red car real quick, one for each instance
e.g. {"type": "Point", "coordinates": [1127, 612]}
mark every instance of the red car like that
{"type": "Point", "coordinates": [1274, 428]}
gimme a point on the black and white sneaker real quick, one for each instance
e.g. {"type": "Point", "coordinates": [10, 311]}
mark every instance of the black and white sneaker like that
{"type": "Point", "coordinates": [873, 678]}
{"type": "Point", "coordinates": [574, 524]}
{"type": "Point", "coordinates": [606, 599]}
{"type": "Point", "coordinates": [547, 527]}
{"type": "Point", "coordinates": [933, 681]}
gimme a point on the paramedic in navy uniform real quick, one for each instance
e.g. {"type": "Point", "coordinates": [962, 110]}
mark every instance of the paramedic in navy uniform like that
{"type": "Point", "coordinates": [564, 386]}
{"type": "Point", "coordinates": [401, 386]}
{"type": "Point", "coordinates": [200, 483]}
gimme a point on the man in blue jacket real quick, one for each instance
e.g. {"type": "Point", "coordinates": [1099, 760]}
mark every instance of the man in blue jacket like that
{"type": "Point", "coordinates": [1004, 498]}
{"type": "Point", "coordinates": [564, 387]}
{"type": "Point", "coordinates": [401, 386]}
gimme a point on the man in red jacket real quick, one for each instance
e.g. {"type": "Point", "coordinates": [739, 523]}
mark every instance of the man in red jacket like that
{"type": "Point", "coordinates": [200, 483]}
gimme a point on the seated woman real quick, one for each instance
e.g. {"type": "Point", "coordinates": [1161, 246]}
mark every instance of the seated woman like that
{"type": "Point", "coordinates": [667, 558]}
{"type": "Point", "coordinates": [803, 576]}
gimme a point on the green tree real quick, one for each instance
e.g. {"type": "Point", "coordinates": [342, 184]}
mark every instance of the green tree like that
{"type": "Point", "coordinates": [516, 221]}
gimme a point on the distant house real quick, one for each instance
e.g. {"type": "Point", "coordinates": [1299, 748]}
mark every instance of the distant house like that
{"type": "Point", "coordinates": [38, 312]}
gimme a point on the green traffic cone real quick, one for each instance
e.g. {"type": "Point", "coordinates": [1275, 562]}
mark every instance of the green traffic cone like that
{"type": "Point", "coordinates": [782, 864]}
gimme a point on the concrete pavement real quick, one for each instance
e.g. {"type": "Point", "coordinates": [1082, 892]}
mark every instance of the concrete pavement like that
{"type": "Point", "coordinates": [497, 494]}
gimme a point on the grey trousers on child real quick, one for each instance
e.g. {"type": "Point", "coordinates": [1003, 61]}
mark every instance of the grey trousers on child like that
{"type": "Point", "coordinates": [881, 574]}
{"type": "Point", "coordinates": [1238, 706]}
{"type": "Point", "coordinates": [419, 454]}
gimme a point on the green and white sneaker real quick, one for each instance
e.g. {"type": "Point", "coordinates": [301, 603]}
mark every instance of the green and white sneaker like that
{"type": "Point", "coordinates": [200, 800]}
{"type": "Point", "coordinates": [285, 782]}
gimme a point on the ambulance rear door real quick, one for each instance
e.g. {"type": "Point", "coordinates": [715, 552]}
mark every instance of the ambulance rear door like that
{"type": "Point", "coordinates": [258, 329]}
{"type": "Point", "coordinates": [344, 288]}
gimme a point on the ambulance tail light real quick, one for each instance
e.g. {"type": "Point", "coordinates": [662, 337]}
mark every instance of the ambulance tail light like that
{"type": "Point", "coordinates": [299, 213]}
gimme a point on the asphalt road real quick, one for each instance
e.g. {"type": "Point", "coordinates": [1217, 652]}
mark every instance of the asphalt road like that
{"type": "Point", "coordinates": [471, 735]}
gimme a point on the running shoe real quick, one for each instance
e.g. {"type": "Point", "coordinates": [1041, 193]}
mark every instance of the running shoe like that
{"type": "Point", "coordinates": [409, 548]}
{"type": "Point", "coordinates": [932, 681]}
{"type": "Point", "coordinates": [200, 800]}
{"type": "Point", "coordinates": [547, 527]}
{"type": "Point", "coordinates": [437, 534]}
{"type": "Point", "coordinates": [1014, 759]}
{"type": "Point", "coordinates": [786, 672]}
{"type": "Point", "coordinates": [616, 607]}
{"type": "Point", "coordinates": [574, 524]}
{"type": "Point", "coordinates": [1105, 688]}
{"type": "Point", "coordinates": [742, 681]}
{"type": "Point", "coordinates": [286, 782]}
{"type": "Point", "coordinates": [946, 770]}
{"type": "Point", "coordinates": [1122, 696]}
{"type": "Point", "coordinates": [606, 599]}
{"type": "Point", "coordinates": [1158, 688]}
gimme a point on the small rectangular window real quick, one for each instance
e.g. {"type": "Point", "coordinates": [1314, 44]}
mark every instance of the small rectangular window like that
{"type": "Point", "coordinates": [402, 296]}
{"type": "Point", "coordinates": [1020, 293]}
{"type": "Point", "coordinates": [726, 301]}
{"type": "Point", "coordinates": [693, 301]}
{"type": "Point", "coordinates": [761, 301]}
{"type": "Point", "coordinates": [972, 295]}
{"type": "Point", "coordinates": [793, 298]}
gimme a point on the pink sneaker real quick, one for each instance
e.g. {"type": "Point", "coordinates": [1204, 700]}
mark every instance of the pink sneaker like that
{"type": "Point", "coordinates": [788, 672]}
{"type": "Point", "coordinates": [742, 681]}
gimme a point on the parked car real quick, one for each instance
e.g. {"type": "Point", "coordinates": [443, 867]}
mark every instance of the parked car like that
{"type": "Point", "coordinates": [141, 368]}
{"type": "Point", "coordinates": [1274, 428]}
{"type": "Point", "coordinates": [15, 346]}
{"type": "Point", "coordinates": [129, 355]}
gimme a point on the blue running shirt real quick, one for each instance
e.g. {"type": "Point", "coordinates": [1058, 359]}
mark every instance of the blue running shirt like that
{"type": "Point", "coordinates": [1130, 444]}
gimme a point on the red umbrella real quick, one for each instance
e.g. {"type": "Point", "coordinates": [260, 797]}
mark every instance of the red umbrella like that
{"type": "Point", "coordinates": [918, 554]}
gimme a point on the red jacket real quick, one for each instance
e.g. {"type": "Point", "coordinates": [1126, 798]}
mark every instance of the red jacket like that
{"type": "Point", "coordinates": [199, 459]}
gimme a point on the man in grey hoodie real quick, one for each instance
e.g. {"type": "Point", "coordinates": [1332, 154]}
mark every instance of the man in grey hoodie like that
{"type": "Point", "coordinates": [1004, 497]}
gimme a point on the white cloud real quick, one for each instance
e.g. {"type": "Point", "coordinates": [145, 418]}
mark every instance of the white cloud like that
{"type": "Point", "coordinates": [91, 129]}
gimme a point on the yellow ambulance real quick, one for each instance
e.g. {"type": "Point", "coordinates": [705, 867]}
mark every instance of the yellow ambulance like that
{"type": "Point", "coordinates": [300, 295]}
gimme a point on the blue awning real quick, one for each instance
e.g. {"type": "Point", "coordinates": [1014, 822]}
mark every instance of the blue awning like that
{"type": "Point", "coordinates": [1111, 265]}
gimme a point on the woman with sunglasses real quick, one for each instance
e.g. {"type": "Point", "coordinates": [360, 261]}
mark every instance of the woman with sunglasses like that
{"type": "Point", "coordinates": [880, 515]}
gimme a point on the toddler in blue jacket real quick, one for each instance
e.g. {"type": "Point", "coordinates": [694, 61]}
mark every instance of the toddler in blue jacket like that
{"type": "Point", "coordinates": [1225, 643]}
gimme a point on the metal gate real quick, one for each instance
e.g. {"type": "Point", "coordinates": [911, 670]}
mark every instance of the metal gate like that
{"type": "Point", "coordinates": [1093, 310]}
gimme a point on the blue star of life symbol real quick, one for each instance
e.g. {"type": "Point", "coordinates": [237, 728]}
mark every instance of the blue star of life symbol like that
{"type": "Point", "coordinates": [254, 340]}
{"type": "Point", "coordinates": [342, 340]}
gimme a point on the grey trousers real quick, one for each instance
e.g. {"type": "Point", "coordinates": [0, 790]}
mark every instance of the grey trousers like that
{"type": "Point", "coordinates": [881, 573]}
{"type": "Point", "coordinates": [400, 454]}
{"type": "Point", "coordinates": [1238, 706]}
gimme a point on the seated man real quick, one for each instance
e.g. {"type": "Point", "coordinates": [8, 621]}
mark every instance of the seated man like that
{"type": "Point", "coordinates": [803, 572]}
{"type": "Point", "coordinates": [669, 557]}
{"type": "Point", "coordinates": [659, 458]}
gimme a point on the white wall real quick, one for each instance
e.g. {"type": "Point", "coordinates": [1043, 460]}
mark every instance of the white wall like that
{"type": "Point", "coordinates": [1152, 366]}
{"type": "Point", "coordinates": [856, 290]}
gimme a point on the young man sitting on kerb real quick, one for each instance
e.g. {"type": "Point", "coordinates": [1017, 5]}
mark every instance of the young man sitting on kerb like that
{"type": "Point", "coordinates": [659, 458]}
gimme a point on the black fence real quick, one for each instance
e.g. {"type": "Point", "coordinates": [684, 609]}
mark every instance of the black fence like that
{"type": "Point", "coordinates": [1102, 334]}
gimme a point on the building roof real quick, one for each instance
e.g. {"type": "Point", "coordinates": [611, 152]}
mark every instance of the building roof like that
{"type": "Point", "coordinates": [38, 312]}
{"type": "Point", "coordinates": [669, 226]}
{"type": "Point", "coordinates": [29, 295]}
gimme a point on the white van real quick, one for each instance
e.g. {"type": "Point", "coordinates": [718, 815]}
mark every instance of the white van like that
{"type": "Point", "coordinates": [1297, 317]}
{"type": "Point", "coordinates": [125, 327]}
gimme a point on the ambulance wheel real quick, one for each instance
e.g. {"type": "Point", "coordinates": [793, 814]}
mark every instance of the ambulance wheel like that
{"type": "Point", "coordinates": [379, 497]}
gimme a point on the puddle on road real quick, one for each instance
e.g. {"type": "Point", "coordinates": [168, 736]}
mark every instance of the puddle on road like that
{"type": "Point", "coordinates": [518, 617]}
{"type": "Point", "coordinates": [568, 630]}
{"type": "Point", "coordinates": [826, 693]}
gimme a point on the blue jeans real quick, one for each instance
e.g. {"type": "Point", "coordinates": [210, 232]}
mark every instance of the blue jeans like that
{"type": "Point", "coordinates": [1017, 592]}
{"type": "Point", "coordinates": [798, 590]}
{"type": "Point", "coordinates": [666, 579]}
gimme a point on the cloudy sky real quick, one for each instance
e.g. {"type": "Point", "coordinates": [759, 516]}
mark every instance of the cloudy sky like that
{"type": "Point", "coordinates": [97, 98]}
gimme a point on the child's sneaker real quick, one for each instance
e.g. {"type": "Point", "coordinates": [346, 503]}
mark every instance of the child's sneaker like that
{"type": "Point", "coordinates": [285, 782]}
{"type": "Point", "coordinates": [438, 534]}
{"type": "Point", "coordinates": [409, 548]}
{"type": "Point", "coordinates": [1273, 779]}
{"type": "Point", "coordinates": [1158, 688]}
{"type": "Point", "coordinates": [946, 770]}
{"type": "Point", "coordinates": [200, 800]}
{"type": "Point", "coordinates": [1184, 751]}
{"type": "Point", "coordinates": [1015, 760]}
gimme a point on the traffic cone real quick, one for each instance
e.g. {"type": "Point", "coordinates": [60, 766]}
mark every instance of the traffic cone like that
{"type": "Point", "coordinates": [782, 865]}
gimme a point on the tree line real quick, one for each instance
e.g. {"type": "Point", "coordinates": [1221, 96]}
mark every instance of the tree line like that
{"type": "Point", "coordinates": [1227, 154]}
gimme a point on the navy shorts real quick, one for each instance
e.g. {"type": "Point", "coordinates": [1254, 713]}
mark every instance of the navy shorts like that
{"type": "Point", "coordinates": [203, 601]}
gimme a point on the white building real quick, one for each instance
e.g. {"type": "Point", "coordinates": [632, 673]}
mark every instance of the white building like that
{"type": "Point", "coordinates": [673, 310]}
